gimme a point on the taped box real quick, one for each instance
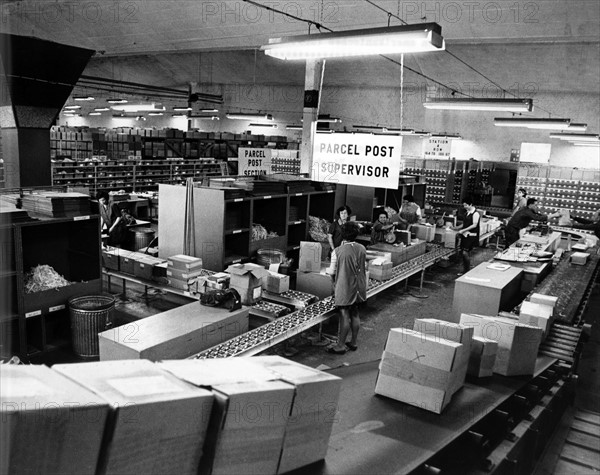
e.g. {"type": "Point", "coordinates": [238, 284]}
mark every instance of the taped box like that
{"type": "Point", "coordinates": [579, 258]}
{"type": "Point", "coordinates": [419, 369]}
{"type": "Point", "coordinates": [249, 417]}
{"type": "Point", "coordinates": [157, 423]}
{"type": "Point", "coordinates": [311, 255]}
{"type": "Point", "coordinates": [380, 269]}
{"type": "Point", "coordinates": [184, 262]}
{"type": "Point", "coordinates": [537, 314]}
{"type": "Point", "coordinates": [144, 266]}
{"type": "Point", "coordinates": [424, 232]}
{"type": "Point", "coordinates": [49, 423]}
{"type": "Point", "coordinates": [453, 332]}
{"type": "Point", "coordinates": [518, 343]}
{"type": "Point", "coordinates": [276, 283]}
{"type": "Point", "coordinates": [110, 258]}
{"type": "Point", "coordinates": [482, 357]}
{"type": "Point", "coordinates": [545, 299]}
{"type": "Point", "coordinates": [247, 279]}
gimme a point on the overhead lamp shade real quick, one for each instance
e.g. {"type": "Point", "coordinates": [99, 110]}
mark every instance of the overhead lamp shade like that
{"type": "Point", "coordinates": [272, 126]}
{"type": "Point", "coordinates": [419, 38]}
{"type": "Point", "coordinates": [590, 138]}
{"type": "Point", "coordinates": [530, 123]}
{"type": "Point", "coordinates": [245, 116]}
{"type": "Point", "coordinates": [469, 104]}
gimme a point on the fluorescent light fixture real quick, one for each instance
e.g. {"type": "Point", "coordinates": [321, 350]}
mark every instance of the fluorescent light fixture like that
{"type": "Point", "coordinates": [245, 116]}
{"type": "Point", "coordinates": [447, 136]}
{"type": "Point", "coordinates": [138, 108]}
{"type": "Point", "coordinates": [205, 117]}
{"type": "Point", "coordinates": [95, 113]}
{"type": "Point", "coordinates": [324, 131]}
{"type": "Point", "coordinates": [530, 123]}
{"type": "Point", "coordinates": [586, 144]}
{"type": "Point", "coordinates": [326, 119]}
{"type": "Point", "coordinates": [469, 104]}
{"type": "Point", "coordinates": [378, 128]}
{"type": "Point", "coordinates": [155, 113]}
{"type": "Point", "coordinates": [419, 38]}
{"type": "Point", "coordinates": [272, 126]}
{"type": "Point", "coordinates": [399, 131]}
{"type": "Point", "coordinates": [576, 128]}
{"type": "Point", "coordinates": [421, 133]}
{"type": "Point", "coordinates": [208, 111]}
{"type": "Point", "coordinates": [293, 127]}
{"type": "Point", "coordinates": [182, 108]}
{"type": "Point", "coordinates": [72, 107]}
{"type": "Point", "coordinates": [179, 115]}
{"type": "Point", "coordinates": [116, 100]}
{"type": "Point", "coordinates": [101, 109]}
{"type": "Point", "coordinates": [83, 98]}
{"type": "Point", "coordinates": [576, 137]}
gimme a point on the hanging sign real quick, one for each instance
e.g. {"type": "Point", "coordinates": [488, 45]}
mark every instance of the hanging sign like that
{"type": "Point", "coordinates": [437, 147]}
{"type": "Point", "coordinates": [254, 161]}
{"type": "Point", "coordinates": [357, 159]}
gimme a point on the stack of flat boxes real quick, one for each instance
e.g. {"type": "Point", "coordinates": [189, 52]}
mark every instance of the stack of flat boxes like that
{"type": "Point", "coordinates": [182, 270]}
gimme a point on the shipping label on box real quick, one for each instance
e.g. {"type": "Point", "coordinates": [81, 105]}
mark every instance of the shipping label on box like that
{"type": "Point", "coordinates": [247, 279]}
{"type": "Point", "coordinates": [311, 254]}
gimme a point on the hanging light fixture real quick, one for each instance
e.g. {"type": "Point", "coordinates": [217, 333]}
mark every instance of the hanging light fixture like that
{"type": "Point", "coordinates": [531, 123]}
{"type": "Point", "coordinates": [138, 108]}
{"type": "Point", "coordinates": [116, 100]}
{"type": "Point", "coordinates": [95, 113]}
{"type": "Point", "coordinates": [272, 126]}
{"type": "Point", "coordinates": [590, 138]}
{"type": "Point", "coordinates": [447, 136]}
{"type": "Point", "coordinates": [83, 98]}
{"type": "Point", "coordinates": [101, 109]}
{"type": "Point", "coordinates": [293, 127]}
{"type": "Point", "coordinates": [418, 38]}
{"type": "Point", "coordinates": [72, 107]}
{"type": "Point", "coordinates": [399, 131]}
{"type": "Point", "coordinates": [205, 117]}
{"type": "Point", "coordinates": [470, 104]}
{"type": "Point", "coordinates": [248, 116]}
{"type": "Point", "coordinates": [182, 108]}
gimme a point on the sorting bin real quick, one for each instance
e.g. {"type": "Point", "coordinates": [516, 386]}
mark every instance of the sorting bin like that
{"type": "Point", "coordinates": [142, 237]}
{"type": "Point", "coordinates": [89, 315]}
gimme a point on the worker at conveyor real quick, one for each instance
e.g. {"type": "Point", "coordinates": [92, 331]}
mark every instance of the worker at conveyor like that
{"type": "Point", "coordinates": [380, 228]}
{"type": "Point", "coordinates": [334, 236]}
{"type": "Point", "coordinates": [409, 214]}
{"type": "Point", "coordinates": [589, 224]}
{"type": "Point", "coordinates": [468, 235]}
{"type": "Point", "coordinates": [522, 218]}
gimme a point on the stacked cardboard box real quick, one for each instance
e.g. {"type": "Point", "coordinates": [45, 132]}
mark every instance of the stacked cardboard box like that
{"type": "Point", "coordinates": [579, 258]}
{"type": "Point", "coordinates": [110, 258]}
{"type": "Point", "coordinates": [157, 423]}
{"type": "Point", "coordinates": [247, 279]}
{"type": "Point", "coordinates": [380, 269]}
{"type": "Point", "coordinates": [446, 237]}
{"type": "Point", "coordinates": [276, 283]}
{"type": "Point", "coordinates": [518, 344]}
{"type": "Point", "coordinates": [49, 423]}
{"type": "Point", "coordinates": [482, 357]}
{"type": "Point", "coordinates": [311, 255]}
{"type": "Point", "coordinates": [453, 332]}
{"type": "Point", "coordinates": [401, 254]}
{"type": "Point", "coordinates": [424, 232]}
{"type": "Point", "coordinates": [144, 266]}
{"type": "Point", "coordinates": [182, 270]}
{"type": "Point", "coordinates": [537, 314]}
{"type": "Point", "coordinates": [420, 369]}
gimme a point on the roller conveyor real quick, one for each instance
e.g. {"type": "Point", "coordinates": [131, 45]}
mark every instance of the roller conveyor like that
{"type": "Point", "coordinates": [285, 327]}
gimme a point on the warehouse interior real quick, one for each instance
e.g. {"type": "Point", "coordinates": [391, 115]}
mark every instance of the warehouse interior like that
{"type": "Point", "coordinates": [126, 330]}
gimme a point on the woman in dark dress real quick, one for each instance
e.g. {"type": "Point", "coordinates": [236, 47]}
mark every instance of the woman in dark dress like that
{"type": "Point", "coordinates": [334, 236]}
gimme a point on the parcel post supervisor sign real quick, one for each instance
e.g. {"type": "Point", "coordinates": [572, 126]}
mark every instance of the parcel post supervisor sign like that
{"type": "Point", "coordinates": [357, 159]}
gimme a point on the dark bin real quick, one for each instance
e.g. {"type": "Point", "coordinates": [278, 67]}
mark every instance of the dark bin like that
{"type": "Point", "coordinates": [90, 315]}
{"type": "Point", "coordinates": [142, 237]}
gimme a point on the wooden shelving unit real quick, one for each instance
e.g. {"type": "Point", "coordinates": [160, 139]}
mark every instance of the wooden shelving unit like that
{"type": "Point", "coordinates": [39, 321]}
{"type": "Point", "coordinates": [223, 226]}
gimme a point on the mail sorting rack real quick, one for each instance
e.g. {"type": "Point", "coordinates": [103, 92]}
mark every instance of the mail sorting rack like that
{"type": "Point", "coordinates": [266, 336]}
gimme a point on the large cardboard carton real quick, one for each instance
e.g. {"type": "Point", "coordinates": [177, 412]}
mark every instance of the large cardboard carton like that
{"type": "Point", "coordinates": [110, 258]}
{"type": "Point", "coordinates": [49, 423]}
{"type": "Point", "coordinates": [157, 423]}
{"type": "Point", "coordinates": [482, 357]}
{"type": "Point", "coordinates": [177, 333]}
{"type": "Point", "coordinates": [579, 258]}
{"type": "Point", "coordinates": [401, 254]}
{"type": "Point", "coordinates": [380, 269]}
{"type": "Point", "coordinates": [445, 237]}
{"type": "Point", "coordinates": [314, 410]}
{"type": "Point", "coordinates": [249, 417]}
{"type": "Point", "coordinates": [453, 332]}
{"type": "Point", "coordinates": [419, 369]}
{"type": "Point", "coordinates": [311, 255]}
{"type": "Point", "coordinates": [537, 314]}
{"type": "Point", "coordinates": [518, 344]}
{"type": "Point", "coordinates": [424, 232]}
{"type": "Point", "coordinates": [247, 279]}
{"type": "Point", "coordinates": [545, 299]}
{"type": "Point", "coordinates": [144, 266]}
{"type": "Point", "coordinates": [184, 262]}
{"type": "Point", "coordinates": [184, 274]}
{"type": "Point", "coordinates": [276, 283]}
{"type": "Point", "coordinates": [315, 283]}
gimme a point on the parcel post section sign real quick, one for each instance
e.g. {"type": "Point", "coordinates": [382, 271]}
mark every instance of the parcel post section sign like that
{"type": "Point", "coordinates": [355, 159]}
{"type": "Point", "coordinates": [254, 161]}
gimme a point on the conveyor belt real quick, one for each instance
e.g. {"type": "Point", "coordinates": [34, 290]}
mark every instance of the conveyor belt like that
{"type": "Point", "coordinates": [281, 329]}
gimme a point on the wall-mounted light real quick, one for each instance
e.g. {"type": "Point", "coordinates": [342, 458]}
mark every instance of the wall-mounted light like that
{"type": "Point", "coordinates": [530, 123]}
{"type": "Point", "coordinates": [469, 104]}
{"type": "Point", "coordinates": [416, 38]}
{"type": "Point", "coordinates": [245, 116]}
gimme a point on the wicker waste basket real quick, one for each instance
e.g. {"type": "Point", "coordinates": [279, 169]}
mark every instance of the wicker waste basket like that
{"type": "Point", "coordinates": [90, 315]}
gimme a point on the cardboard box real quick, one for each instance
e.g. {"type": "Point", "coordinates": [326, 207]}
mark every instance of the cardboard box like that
{"type": "Point", "coordinates": [184, 274]}
{"type": "Point", "coordinates": [518, 344]}
{"type": "Point", "coordinates": [177, 333]}
{"type": "Point", "coordinates": [311, 418]}
{"type": "Point", "coordinates": [372, 254]}
{"type": "Point", "coordinates": [452, 332]}
{"type": "Point", "coordinates": [144, 266]}
{"type": "Point", "coordinates": [49, 423]}
{"type": "Point", "coordinates": [482, 357]}
{"type": "Point", "coordinates": [249, 296]}
{"type": "Point", "coordinates": [184, 262]}
{"type": "Point", "coordinates": [425, 380]}
{"type": "Point", "coordinates": [315, 283]}
{"type": "Point", "coordinates": [180, 284]}
{"type": "Point", "coordinates": [127, 261]}
{"type": "Point", "coordinates": [380, 269]}
{"type": "Point", "coordinates": [537, 314]}
{"type": "Point", "coordinates": [247, 279]}
{"type": "Point", "coordinates": [110, 258]}
{"type": "Point", "coordinates": [154, 416]}
{"type": "Point", "coordinates": [276, 283]}
{"type": "Point", "coordinates": [579, 258]}
{"type": "Point", "coordinates": [311, 255]}
{"type": "Point", "coordinates": [400, 254]}
{"type": "Point", "coordinates": [249, 417]}
{"type": "Point", "coordinates": [445, 237]}
{"type": "Point", "coordinates": [424, 232]}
